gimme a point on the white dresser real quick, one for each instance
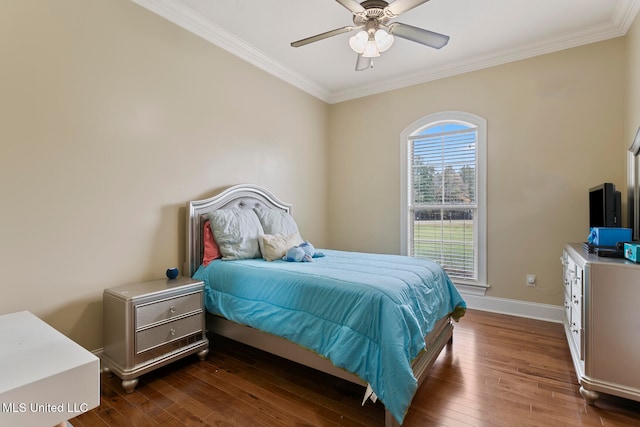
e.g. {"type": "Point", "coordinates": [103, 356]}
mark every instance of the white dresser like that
{"type": "Point", "coordinates": [147, 325]}
{"type": "Point", "coordinates": [602, 322]}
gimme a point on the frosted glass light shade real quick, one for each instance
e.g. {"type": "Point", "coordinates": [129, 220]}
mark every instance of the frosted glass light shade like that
{"type": "Point", "coordinates": [384, 40]}
{"type": "Point", "coordinates": [370, 50]}
{"type": "Point", "coordinates": [359, 41]}
{"type": "Point", "coordinates": [371, 46]}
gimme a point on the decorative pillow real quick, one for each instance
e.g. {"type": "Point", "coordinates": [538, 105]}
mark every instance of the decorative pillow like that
{"type": "Point", "coordinates": [275, 221]}
{"type": "Point", "coordinates": [211, 249]}
{"type": "Point", "coordinates": [236, 231]}
{"type": "Point", "coordinates": [274, 246]}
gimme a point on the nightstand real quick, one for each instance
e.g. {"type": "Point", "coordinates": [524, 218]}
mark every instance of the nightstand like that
{"type": "Point", "coordinates": [147, 325]}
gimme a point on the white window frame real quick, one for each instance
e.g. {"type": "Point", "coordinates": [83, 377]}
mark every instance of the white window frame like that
{"type": "Point", "coordinates": [480, 285]}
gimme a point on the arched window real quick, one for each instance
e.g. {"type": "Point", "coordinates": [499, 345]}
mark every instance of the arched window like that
{"type": "Point", "coordinates": [444, 194]}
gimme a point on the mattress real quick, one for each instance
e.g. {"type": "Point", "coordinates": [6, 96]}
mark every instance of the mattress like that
{"type": "Point", "coordinates": [367, 313]}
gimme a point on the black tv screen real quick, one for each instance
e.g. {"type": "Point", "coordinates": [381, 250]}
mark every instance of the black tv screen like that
{"type": "Point", "coordinates": [604, 206]}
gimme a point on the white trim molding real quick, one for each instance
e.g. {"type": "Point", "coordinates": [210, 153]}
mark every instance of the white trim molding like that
{"type": "Point", "coordinates": [183, 16]}
{"type": "Point", "coordinates": [471, 289]}
{"type": "Point", "coordinates": [531, 310]}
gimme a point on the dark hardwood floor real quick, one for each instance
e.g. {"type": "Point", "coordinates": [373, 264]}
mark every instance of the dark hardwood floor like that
{"type": "Point", "coordinates": [499, 371]}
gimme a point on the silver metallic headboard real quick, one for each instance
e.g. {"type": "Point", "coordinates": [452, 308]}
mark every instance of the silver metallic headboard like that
{"type": "Point", "coordinates": [244, 196]}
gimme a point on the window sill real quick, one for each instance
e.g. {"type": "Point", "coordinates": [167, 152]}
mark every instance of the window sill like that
{"type": "Point", "coordinates": [466, 288]}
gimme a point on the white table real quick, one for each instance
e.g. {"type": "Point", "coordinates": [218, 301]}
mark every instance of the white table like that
{"type": "Point", "coordinates": [45, 378]}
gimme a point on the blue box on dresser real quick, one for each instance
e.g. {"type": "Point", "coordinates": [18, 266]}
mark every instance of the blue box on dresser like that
{"type": "Point", "coordinates": [609, 236]}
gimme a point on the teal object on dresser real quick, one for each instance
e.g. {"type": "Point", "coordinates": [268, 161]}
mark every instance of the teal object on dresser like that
{"type": "Point", "coordinates": [632, 251]}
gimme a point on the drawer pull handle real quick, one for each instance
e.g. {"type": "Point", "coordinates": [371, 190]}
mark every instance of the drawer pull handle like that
{"type": "Point", "coordinates": [172, 332]}
{"type": "Point", "coordinates": [172, 310]}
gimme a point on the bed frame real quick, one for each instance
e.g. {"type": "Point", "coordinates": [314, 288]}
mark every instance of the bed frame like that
{"type": "Point", "coordinates": [248, 196]}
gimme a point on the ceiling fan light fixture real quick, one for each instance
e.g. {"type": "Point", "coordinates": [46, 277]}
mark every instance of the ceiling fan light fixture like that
{"type": "Point", "coordinates": [375, 34]}
{"type": "Point", "coordinates": [359, 42]}
{"type": "Point", "coordinates": [383, 39]}
{"type": "Point", "coordinates": [370, 45]}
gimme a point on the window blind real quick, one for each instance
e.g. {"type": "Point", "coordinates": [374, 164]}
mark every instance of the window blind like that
{"type": "Point", "coordinates": [443, 204]}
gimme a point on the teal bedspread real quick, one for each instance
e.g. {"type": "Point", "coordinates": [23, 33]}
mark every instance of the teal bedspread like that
{"type": "Point", "coordinates": [367, 313]}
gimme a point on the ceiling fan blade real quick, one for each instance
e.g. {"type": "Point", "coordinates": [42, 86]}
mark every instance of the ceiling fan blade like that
{"type": "Point", "coordinates": [400, 6]}
{"type": "Point", "coordinates": [418, 35]}
{"type": "Point", "coordinates": [355, 7]}
{"type": "Point", "coordinates": [323, 36]}
{"type": "Point", "coordinates": [363, 63]}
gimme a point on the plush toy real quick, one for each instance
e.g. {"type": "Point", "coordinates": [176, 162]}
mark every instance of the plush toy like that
{"type": "Point", "coordinates": [304, 252]}
{"type": "Point", "coordinates": [296, 254]}
{"type": "Point", "coordinates": [308, 249]}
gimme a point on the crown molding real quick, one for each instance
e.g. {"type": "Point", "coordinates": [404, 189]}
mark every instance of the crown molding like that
{"type": "Point", "coordinates": [625, 13]}
{"type": "Point", "coordinates": [197, 24]}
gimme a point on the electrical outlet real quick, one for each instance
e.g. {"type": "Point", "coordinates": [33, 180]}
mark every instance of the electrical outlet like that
{"type": "Point", "coordinates": [531, 280]}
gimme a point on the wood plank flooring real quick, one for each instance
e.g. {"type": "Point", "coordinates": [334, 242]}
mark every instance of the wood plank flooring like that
{"type": "Point", "coordinates": [499, 371]}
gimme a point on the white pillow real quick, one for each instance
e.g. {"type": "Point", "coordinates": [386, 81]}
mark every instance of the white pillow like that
{"type": "Point", "coordinates": [275, 221]}
{"type": "Point", "coordinates": [236, 231]}
{"type": "Point", "coordinates": [275, 246]}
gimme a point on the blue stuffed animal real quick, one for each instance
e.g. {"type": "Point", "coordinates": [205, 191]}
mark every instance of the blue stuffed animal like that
{"type": "Point", "coordinates": [304, 252]}
{"type": "Point", "coordinates": [296, 254]}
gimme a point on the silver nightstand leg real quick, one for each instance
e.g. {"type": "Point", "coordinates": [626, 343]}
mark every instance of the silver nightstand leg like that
{"type": "Point", "coordinates": [129, 385]}
{"type": "Point", "coordinates": [203, 354]}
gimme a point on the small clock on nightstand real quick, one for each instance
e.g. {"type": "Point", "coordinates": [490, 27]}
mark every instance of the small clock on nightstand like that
{"type": "Point", "coordinates": [149, 324]}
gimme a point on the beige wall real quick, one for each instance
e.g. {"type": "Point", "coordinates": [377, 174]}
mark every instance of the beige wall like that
{"type": "Point", "coordinates": [111, 118]}
{"type": "Point", "coordinates": [555, 126]}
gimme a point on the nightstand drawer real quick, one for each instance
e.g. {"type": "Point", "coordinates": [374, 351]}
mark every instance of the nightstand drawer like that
{"type": "Point", "coordinates": [156, 336]}
{"type": "Point", "coordinates": [147, 314]}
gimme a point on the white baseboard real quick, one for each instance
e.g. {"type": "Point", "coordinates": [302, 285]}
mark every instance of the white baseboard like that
{"type": "Point", "coordinates": [532, 310]}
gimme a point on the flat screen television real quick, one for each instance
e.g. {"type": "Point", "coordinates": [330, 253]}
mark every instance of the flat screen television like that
{"type": "Point", "coordinates": [604, 206]}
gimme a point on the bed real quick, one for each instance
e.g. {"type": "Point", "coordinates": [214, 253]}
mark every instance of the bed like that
{"type": "Point", "coordinates": [376, 320]}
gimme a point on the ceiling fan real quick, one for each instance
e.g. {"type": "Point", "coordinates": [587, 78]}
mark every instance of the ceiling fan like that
{"type": "Point", "coordinates": [376, 34]}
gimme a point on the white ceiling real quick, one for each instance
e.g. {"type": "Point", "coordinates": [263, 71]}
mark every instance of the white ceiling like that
{"type": "Point", "coordinates": [483, 33]}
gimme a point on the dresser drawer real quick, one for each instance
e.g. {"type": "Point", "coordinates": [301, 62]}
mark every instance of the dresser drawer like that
{"type": "Point", "coordinates": [164, 333]}
{"type": "Point", "coordinates": [576, 285]}
{"type": "Point", "coordinates": [156, 311]}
